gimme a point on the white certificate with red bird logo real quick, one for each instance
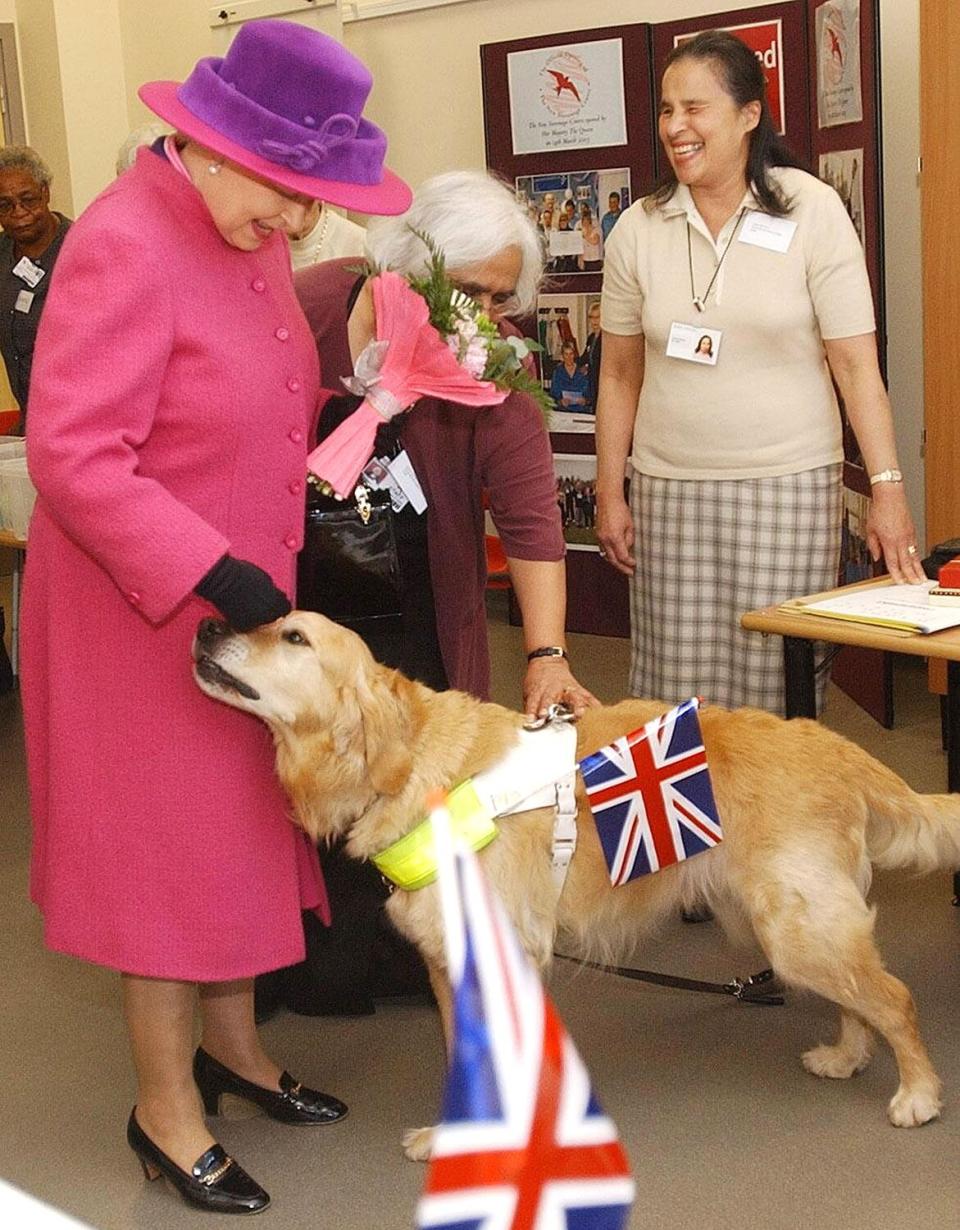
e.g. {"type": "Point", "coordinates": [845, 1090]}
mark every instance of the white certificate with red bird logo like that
{"type": "Point", "coordinates": [567, 97]}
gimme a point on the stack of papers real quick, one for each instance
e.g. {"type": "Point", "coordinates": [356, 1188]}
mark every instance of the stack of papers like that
{"type": "Point", "coordinates": [889, 606]}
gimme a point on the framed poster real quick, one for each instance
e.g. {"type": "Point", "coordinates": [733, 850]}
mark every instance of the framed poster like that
{"type": "Point", "coordinates": [569, 96]}
{"type": "Point", "coordinates": [837, 50]}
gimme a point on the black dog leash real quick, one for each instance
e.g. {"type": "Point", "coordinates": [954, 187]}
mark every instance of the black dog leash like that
{"type": "Point", "coordinates": [751, 990]}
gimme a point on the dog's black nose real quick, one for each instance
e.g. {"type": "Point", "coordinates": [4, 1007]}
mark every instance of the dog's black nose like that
{"type": "Point", "coordinates": [210, 631]}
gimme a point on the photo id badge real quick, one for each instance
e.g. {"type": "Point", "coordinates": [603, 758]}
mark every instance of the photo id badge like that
{"type": "Point", "coordinates": [694, 343]}
{"type": "Point", "coordinates": [23, 301]}
{"type": "Point", "coordinates": [765, 231]}
{"type": "Point", "coordinates": [402, 473]}
{"type": "Point", "coordinates": [28, 272]}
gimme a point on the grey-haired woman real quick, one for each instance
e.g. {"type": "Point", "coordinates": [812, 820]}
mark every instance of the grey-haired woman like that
{"type": "Point", "coordinates": [33, 234]}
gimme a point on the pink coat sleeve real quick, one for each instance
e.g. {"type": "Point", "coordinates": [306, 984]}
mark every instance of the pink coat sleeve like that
{"type": "Point", "coordinates": [102, 357]}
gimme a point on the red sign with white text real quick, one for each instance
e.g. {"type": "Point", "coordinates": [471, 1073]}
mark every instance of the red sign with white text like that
{"type": "Point", "coordinates": [765, 40]}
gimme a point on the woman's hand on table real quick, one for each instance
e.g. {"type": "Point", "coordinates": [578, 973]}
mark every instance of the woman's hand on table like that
{"type": "Point", "coordinates": [891, 534]}
{"type": "Point", "coordinates": [549, 681]}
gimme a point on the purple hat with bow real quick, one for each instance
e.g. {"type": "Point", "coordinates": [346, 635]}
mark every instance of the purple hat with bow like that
{"type": "Point", "coordinates": [286, 103]}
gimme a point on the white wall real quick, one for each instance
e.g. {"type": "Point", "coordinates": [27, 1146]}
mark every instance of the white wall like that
{"type": "Point", "coordinates": [162, 41]}
{"type": "Point", "coordinates": [92, 83]}
{"type": "Point", "coordinates": [900, 86]}
{"type": "Point", "coordinates": [43, 93]}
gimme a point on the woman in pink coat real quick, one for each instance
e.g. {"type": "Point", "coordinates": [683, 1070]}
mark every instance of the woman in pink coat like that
{"type": "Point", "coordinates": [174, 390]}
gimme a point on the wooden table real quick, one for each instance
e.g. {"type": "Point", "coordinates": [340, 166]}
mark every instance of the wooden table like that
{"type": "Point", "coordinates": [18, 546]}
{"type": "Point", "coordinates": [800, 629]}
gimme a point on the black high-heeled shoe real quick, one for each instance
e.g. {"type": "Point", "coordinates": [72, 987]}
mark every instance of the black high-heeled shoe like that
{"type": "Point", "coordinates": [291, 1103]}
{"type": "Point", "coordinates": [216, 1182]}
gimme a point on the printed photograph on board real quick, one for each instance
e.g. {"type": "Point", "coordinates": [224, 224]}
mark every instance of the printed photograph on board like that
{"type": "Point", "coordinates": [568, 329]}
{"type": "Point", "coordinates": [856, 562]}
{"type": "Point", "coordinates": [843, 171]}
{"type": "Point", "coordinates": [575, 211]}
{"type": "Point", "coordinates": [577, 499]}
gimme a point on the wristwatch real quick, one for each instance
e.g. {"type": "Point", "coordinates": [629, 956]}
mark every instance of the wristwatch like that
{"type": "Point", "coordinates": [547, 651]}
{"type": "Point", "coordinates": [886, 476]}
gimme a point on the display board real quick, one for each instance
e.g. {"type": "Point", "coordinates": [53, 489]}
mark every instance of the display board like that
{"type": "Point", "coordinates": [571, 121]}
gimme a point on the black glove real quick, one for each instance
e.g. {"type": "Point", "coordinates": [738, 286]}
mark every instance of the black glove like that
{"type": "Point", "coordinates": [244, 594]}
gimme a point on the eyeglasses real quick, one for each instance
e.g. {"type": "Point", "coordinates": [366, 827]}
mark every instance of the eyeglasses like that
{"type": "Point", "coordinates": [503, 300]}
{"type": "Point", "coordinates": [29, 201]}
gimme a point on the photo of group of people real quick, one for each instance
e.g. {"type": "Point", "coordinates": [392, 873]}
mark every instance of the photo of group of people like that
{"type": "Point", "coordinates": [577, 498]}
{"type": "Point", "coordinates": [575, 211]}
{"type": "Point", "coordinates": [568, 330]}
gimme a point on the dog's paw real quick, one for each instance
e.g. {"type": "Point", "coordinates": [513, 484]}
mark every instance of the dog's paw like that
{"type": "Point", "coordinates": [911, 1108]}
{"type": "Point", "coordinates": [418, 1144]}
{"type": "Point", "coordinates": [835, 1061]}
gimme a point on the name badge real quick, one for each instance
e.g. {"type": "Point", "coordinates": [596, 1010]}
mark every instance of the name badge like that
{"type": "Point", "coordinates": [23, 300]}
{"type": "Point", "coordinates": [402, 472]}
{"type": "Point", "coordinates": [28, 272]}
{"type": "Point", "coordinates": [766, 231]}
{"type": "Point", "coordinates": [694, 343]}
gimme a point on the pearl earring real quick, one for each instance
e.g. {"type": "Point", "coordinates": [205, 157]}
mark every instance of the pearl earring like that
{"type": "Point", "coordinates": [214, 168]}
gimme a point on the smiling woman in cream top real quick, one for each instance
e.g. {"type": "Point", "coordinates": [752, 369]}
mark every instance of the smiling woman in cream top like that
{"type": "Point", "coordinates": [735, 493]}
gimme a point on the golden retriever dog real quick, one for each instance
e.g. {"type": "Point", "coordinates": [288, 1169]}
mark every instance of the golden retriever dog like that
{"type": "Point", "coordinates": [806, 815]}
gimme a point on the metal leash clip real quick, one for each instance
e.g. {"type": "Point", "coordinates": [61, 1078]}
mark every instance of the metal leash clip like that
{"type": "Point", "coordinates": [745, 989]}
{"type": "Point", "coordinates": [558, 712]}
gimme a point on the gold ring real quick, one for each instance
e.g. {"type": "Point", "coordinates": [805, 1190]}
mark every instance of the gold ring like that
{"type": "Point", "coordinates": [911, 550]}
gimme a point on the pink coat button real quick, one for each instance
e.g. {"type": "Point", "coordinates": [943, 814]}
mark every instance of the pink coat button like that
{"type": "Point", "coordinates": [134, 597]}
{"type": "Point", "coordinates": [296, 486]}
{"type": "Point", "coordinates": [296, 435]}
{"type": "Point", "coordinates": [290, 542]}
{"type": "Point", "coordinates": [259, 285]}
{"type": "Point", "coordinates": [294, 384]}
{"type": "Point", "coordinates": [282, 334]}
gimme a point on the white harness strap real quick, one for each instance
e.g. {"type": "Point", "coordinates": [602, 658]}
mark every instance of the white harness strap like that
{"type": "Point", "coordinates": [553, 750]}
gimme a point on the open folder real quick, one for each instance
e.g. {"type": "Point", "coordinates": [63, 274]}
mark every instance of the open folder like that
{"type": "Point", "coordinates": [906, 607]}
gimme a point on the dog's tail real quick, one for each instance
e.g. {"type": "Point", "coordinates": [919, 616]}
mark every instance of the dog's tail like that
{"type": "Point", "coordinates": [910, 830]}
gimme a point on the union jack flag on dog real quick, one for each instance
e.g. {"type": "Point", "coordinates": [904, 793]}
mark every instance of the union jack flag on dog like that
{"type": "Point", "coordinates": [651, 796]}
{"type": "Point", "coordinates": [523, 1144]}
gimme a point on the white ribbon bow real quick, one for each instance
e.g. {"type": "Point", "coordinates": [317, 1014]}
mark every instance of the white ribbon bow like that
{"type": "Point", "coordinates": [365, 381]}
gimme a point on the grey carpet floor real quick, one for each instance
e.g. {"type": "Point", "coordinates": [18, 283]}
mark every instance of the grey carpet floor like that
{"type": "Point", "coordinates": [724, 1128]}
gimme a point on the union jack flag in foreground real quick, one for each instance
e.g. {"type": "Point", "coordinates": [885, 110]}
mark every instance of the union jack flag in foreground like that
{"type": "Point", "coordinates": [651, 796]}
{"type": "Point", "coordinates": [523, 1144]}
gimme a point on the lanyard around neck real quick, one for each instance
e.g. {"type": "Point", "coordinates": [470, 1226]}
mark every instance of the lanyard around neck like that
{"type": "Point", "coordinates": [700, 301]}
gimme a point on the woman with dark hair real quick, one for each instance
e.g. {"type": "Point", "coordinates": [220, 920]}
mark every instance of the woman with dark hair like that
{"type": "Point", "coordinates": [735, 491]}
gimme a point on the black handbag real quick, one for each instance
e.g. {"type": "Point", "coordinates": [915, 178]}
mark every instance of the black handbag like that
{"type": "Point", "coordinates": [349, 568]}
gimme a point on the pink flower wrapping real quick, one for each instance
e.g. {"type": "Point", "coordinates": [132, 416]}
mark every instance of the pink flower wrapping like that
{"type": "Point", "coordinates": [417, 362]}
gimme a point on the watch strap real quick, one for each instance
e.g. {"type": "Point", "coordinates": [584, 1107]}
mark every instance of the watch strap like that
{"type": "Point", "coordinates": [547, 651]}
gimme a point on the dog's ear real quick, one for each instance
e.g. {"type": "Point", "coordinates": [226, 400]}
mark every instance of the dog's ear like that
{"type": "Point", "coordinates": [386, 730]}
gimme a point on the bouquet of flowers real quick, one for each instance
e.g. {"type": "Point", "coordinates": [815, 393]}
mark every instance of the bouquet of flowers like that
{"type": "Point", "coordinates": [431, 341]}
